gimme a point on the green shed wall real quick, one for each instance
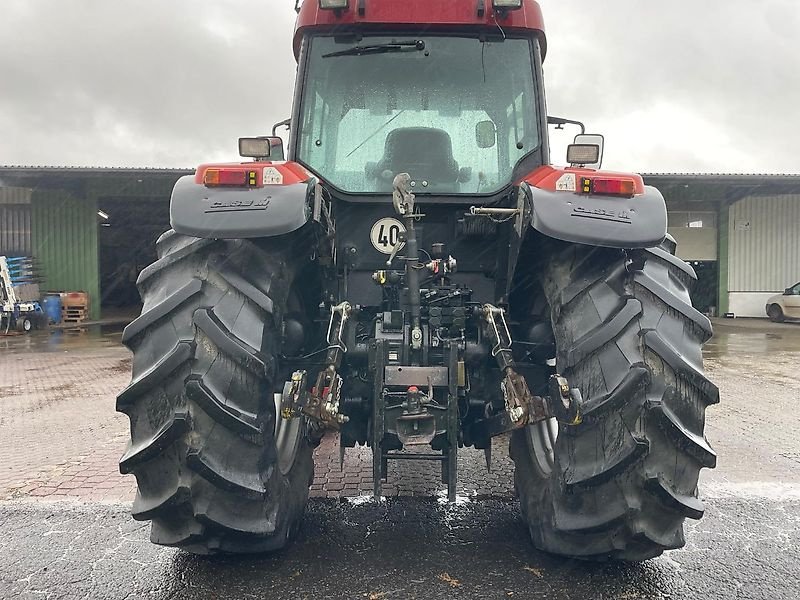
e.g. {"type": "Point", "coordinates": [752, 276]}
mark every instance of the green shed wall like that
{"type": "Point", "coordinates": [64, 239]}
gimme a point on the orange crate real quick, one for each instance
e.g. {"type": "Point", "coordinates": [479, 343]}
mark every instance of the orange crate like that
{"type": "Point", "coordinates": [78, 299]}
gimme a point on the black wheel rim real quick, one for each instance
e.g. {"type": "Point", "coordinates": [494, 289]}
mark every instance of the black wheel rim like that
{"type": "Point", "coordinates": [288, 433]}
{"type": "Point", "coordinates": [542, 442]}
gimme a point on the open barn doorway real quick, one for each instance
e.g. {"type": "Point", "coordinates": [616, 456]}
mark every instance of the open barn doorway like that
{"type": "Point", "coordinates": [128, 230]}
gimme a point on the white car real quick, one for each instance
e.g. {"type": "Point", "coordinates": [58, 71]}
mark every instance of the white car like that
{"type": "Point", "coordinates": [785, 306]}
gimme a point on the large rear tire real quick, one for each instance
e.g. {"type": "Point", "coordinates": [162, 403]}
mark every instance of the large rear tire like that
{"type": "Point", "coordinates": [620, 484]}
{"type": "Point", "coordinates": [217, 469]}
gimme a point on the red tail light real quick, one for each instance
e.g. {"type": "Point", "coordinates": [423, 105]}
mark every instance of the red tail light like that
{"type": "Point", "coordinates": [604, 186]}
{"type": "Point", "coordinates": [233, 177]}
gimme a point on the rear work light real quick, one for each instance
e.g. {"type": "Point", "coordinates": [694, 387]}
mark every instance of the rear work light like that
{"type": "Point", "coordinates": [334, 4]}
{"type": "Point", "coordinates": [605, 186]}
{"type": "Point", "coordinates": [231, 177]}
{"type": "Point", "coordinates": [507, 4]}
{"type": "Point", "coordinates": [583, 154]}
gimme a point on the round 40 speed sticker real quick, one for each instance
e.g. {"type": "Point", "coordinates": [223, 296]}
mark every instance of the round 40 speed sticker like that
{"type": "Point", "coordinates": [385, 235]}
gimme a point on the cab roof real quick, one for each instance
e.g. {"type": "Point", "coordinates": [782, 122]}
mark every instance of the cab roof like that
{"type": "Point", "coordinates": [419, 15]}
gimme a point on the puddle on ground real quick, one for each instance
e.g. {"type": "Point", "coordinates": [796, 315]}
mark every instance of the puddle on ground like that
{"type": "Point", "coordinates": [736, 341]}
{"type": "Point", "coordinates": [63, 339]}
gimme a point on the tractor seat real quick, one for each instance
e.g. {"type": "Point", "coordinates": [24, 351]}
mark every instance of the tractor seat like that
{"type": "Point", "coordinates": [425, 153]}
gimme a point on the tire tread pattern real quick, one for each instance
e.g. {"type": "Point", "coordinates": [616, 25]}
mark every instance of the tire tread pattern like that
{"type": "Point", "coordinates": [627, 335]}
{"type": "Point", "coordinates": [200, 399]}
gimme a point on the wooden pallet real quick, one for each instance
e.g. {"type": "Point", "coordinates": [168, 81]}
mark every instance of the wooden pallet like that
{"type": "Point", "coordinates": [74, 314]}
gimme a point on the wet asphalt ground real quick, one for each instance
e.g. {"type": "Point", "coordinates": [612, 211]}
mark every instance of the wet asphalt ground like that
{"type": "Point", "coordinates": [406, 548]}
{"type": "Point", "coordinates": [747, 545]}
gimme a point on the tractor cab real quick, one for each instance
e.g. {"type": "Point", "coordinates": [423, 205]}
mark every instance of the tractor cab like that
{"type": "Point", "coordinates": [383, 89]}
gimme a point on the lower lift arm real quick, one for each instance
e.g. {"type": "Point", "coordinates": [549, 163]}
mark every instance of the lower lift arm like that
{"type": "Point", "coordinates": [321, 404]}
{"type": "Point", "coordinates": [521, 407]}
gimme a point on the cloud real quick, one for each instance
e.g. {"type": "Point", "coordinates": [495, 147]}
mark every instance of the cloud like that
{"type": "Point", "coordinates": [140, 83]}
{"type": "Point", "coordinates": [674, 86]}
{"type": "Point", "coordinates": [687, 85]}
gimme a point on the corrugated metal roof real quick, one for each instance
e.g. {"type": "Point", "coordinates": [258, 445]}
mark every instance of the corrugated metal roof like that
{"type": "Point", "coordinates": [716, 188]}
{"type": "Point", "coordinates": [70, 169]}
{"type": "Point", "coordinates": [701, 175]}
{"type": "Point", "coordinates": [82, 180]}
{"type": "Point", "coordinates": [74, 169]}
{"type": "Point", "coordinates": [677, 187]}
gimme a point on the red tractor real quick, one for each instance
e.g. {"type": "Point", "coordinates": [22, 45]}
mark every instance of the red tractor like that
{"type": "Point", "coordinates": [416, 277]}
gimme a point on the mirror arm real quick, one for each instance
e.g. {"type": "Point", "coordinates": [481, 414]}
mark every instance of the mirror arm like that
{"type": "Point", "coordinates": [285, 123]}
{"type": "Point", "coordinates": [560, 121]}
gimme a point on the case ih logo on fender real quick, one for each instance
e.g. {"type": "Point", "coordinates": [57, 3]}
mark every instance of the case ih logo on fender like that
{"type": "Point", "coordinates": [238, 205]}
{"type": "Point", "coordinates": [620, 216]}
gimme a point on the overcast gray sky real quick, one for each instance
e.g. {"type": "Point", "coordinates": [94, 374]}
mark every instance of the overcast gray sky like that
{"type": "Point", "coordinates": [675, 86]}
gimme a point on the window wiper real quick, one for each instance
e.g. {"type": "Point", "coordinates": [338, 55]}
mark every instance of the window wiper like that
{"type": "Point", "coordinates": [405, 46]}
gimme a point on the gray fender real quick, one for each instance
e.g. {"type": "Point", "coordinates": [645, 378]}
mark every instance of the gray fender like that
{"type": "Point", "coordinates": [239, 213]}
{"type": "Point", "coordinates": [638, 222]}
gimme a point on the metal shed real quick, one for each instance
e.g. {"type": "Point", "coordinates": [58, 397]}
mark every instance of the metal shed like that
{"type": "Point", "coordinates": [740, 232]}
{"type": "Point", "coordinates": [746, 227]}
{"type": "Point", "coordinates": [55, 214]}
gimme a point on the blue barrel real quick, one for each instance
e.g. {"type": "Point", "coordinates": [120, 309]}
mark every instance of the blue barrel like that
{"type": "Point", "coordinates": [52, 307]}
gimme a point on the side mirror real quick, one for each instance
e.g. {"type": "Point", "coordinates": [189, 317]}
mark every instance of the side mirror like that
{"type": "Point", "coordinates": [788, 292]}
{"type": "Point", "coordinates": [485, 134]}
{"type": "Point", "coordinates": [586, 151]}
{"type": "Point", "coordinates": [261, 148]}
